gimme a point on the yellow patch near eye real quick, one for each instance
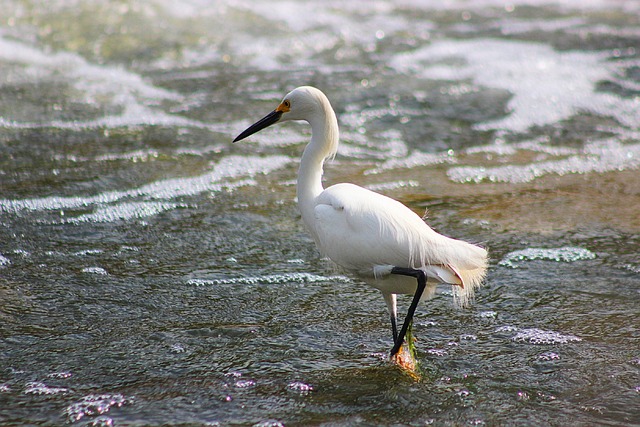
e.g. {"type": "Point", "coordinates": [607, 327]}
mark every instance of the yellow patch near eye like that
{"type": "Point", "coordinates": [284, 107]}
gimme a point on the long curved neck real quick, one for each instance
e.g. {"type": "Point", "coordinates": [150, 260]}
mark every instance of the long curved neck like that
{"type": "Point", "coordinates": [323, 145]}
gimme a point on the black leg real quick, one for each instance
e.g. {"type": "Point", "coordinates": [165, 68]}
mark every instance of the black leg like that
{"type": "Point", "coordinates": [394, 328]}
{"type": "Point", "coordinates": [421, 277]}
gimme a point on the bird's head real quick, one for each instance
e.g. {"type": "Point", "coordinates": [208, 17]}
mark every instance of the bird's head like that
{"type": "Point", "coordinates": [300, 104]}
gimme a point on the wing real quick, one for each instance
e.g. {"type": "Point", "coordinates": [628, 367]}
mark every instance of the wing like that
{"type": "Point", "coordinates": [360, 229]}
{"type": "Point", "coordinates": [355, 228]}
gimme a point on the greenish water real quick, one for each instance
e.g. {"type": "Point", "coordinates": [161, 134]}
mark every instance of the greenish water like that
{"type": "Point", "coordinates": [154, 273]}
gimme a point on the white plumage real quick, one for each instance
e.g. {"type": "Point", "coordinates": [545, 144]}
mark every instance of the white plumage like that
{"type": "Point", "coordinates": [373, 236]}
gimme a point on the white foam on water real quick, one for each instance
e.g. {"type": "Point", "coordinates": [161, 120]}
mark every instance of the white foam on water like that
{"type": "Point", "coordinates": [300, 387]}
{"type": "Point", "coordinates": [4, 261]}
{"type": "Point", "coordinates": [563, 254]}
{"type": "Point", "coordinates": [245, 384]}
{"type": "Point", "coordinates": [39, 388]}
{"type": "Point", "coordinates": [101, 421]}
{"type": "Point", "coordinates": [185, 9]}
{"type": "Point", "coordinates": [346, 28]}
{"type": "Point", "coordinates": [143, 155]}
{"type": "Point", "coordinates": [538, 337]}
{"type": "Point", "coordinates": [60, 375]}
{"type": "Point", "coordinates": [500, 148]}
{"type": "Point", "coordinates": [635, 268]}
{"type": "Point", "coordinates": [94, 405]}
{"type": "Point", "coordinates": [94, 85]}
{"type": "Point", "coordinates": [515, 26]}
{"type": "Point", "coordinates": [294, 34]}
{"type": "Point", "coordinates": [488, 314]}
{"type": "Point", "coordinates": [277, 35]}
{"type": "Point", "coordinates": [95, 270]}
{"type": "Point", "coordinates": [480, 5]}
{"type": "Point", "coordinates": [177, 348]}
{"type": "Point", "coordinates": [268, 423]}
{"type": "Point", "coordinates": [547, 85]}
{"type": "Point", "coordinates": [542, 337]}
{"type": "Point", "coordinates": [414, 160]}
{"type": "Point", "coordinates": [506, 328]}
{"type": "Point", "coordinates": [387, 145]}
{"type": "Point", "coordinates": [548, 355]}
{"type": "Point", "coordinates": [303, 16]}
{"type": "Point", "coordinates": [133, 115]}
{"type": "Point", "coordinates": [134, 156]}
{"type": "Point", "coordinates": [385, 186]}
{"type": "Point", "coordinates": [273, 279]}
{"type": "Point", "coordinates": [124, 212]}
{"type": "Point", "coordinates": [599, 156]}
{"type": "Point", "coordinates": [86, 252]}
{"type": "Point", "coordinates": [222, 176]}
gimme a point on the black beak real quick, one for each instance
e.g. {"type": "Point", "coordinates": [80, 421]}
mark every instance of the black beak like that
{"type": "Point", "coordinates": [264, 122]}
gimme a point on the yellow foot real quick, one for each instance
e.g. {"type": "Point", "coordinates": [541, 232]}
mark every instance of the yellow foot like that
{"type": "Point", "coordinates": [407, 361]}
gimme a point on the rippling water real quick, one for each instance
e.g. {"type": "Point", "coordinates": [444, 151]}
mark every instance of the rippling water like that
{"type": "Point", "coordinates": [154, 273]}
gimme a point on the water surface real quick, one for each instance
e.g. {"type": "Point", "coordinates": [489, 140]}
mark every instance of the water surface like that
{"type": "Point", "coordinates": [154, 273]}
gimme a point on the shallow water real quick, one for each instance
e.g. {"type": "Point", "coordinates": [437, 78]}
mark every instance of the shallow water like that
{"type": "Point", "coordinates": [154, 273]}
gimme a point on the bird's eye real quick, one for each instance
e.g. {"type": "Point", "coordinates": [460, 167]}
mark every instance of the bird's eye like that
{"type": "Point", "coordinates": [284, 107]}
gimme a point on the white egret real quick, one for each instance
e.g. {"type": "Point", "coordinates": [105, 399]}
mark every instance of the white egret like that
{"type": "Point", "coordinates": [376, 238]}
